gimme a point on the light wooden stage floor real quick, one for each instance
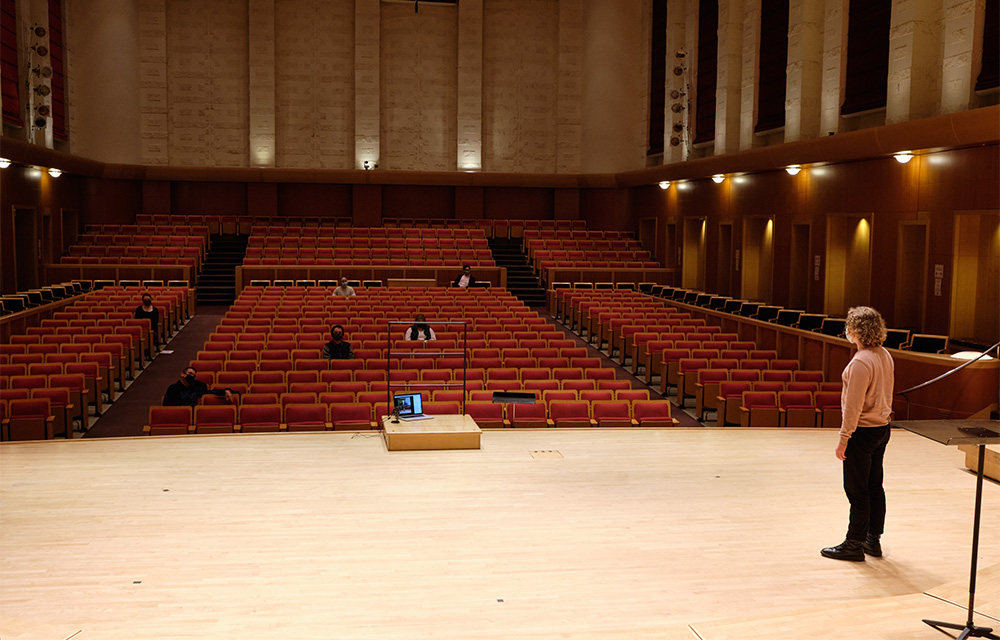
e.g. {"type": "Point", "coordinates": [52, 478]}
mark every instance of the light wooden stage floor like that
{"type": "Point", "coordinates": [670, 534]}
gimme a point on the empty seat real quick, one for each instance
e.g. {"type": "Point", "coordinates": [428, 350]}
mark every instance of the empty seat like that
{"type": "Point", "coordinates": [652, 413]}
{"type": "Point", "coordinates": [488, 415]}
{"type": "Point", "coordinates": [168, 421]}
{"type": "Point", "coordinates": [350, 417]}
{"type": "Point", "coordinates": [612, 414]}
{"type": "Point", "coordinates": [569, 413]}
{"type": "Point", "coordinates": [306, 417]}
{"type": "Point", "coordinates": [797, 409]}
{"type": "Point", "coordinates": [760, 409]}
{"type": "Point", "coordinates": [215, 419]}
{"type": "Point", "coordinates": [29, 419]}
{"type": "Point", "coordinates": [260, 418]}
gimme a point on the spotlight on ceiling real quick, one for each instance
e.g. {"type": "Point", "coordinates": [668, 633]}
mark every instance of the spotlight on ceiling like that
{"type": "Point", "coordinates": [903, 157]}
{"type": "Point", "coordinates": [55, 173]}
{"type": "Point", "coordinates": [665, 184]}
{"type": "Point", "coordinates": [718, 178]}
{"type": "Point", "coordinates": [793, 169]}
{"type": "Point", "coordinates": [4, 163]}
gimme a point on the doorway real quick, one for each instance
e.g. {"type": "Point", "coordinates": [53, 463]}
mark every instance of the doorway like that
{"type": "Point", "coordinates": [800, 269]}
{"type": "Point", "coordinates": [25, 248]}
{"type": "Point", "coordinates": [848, 267]}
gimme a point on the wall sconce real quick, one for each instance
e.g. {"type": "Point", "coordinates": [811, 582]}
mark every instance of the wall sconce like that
{"type": "Point", "coordinates": [55, 173]}
{"type": "Point", "coordinates": [903, 157]}
{"type": "Point", "coordinates": [665, 184]}
{"type": "Point", "coordinates": [718, 178]}
{"type": "Point", "coordinates": [4, 163]}
{"type": "Point", "coordinates": [793, 169]}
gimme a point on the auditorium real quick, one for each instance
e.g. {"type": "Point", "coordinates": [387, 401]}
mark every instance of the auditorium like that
{"type": "Point", "coordinates": [492, 319]}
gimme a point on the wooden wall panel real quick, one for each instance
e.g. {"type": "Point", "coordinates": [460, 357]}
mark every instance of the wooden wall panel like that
{"type": "Point", "coordinates": [205, 198]}
{"type": "Point", "coordinates": [959, 179]}
{"type": "Point", "coordinates": [413, 201]}
{"type": "Point", "coordinates": [317, 200]}
{"type": "Point", "coordinates": [518, 203]}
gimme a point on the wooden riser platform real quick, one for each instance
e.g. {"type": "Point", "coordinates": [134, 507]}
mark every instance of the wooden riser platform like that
{"type": "Point", "coordinates": [437, 433]}
{"type": "Point", "coordinates": [991, 469]}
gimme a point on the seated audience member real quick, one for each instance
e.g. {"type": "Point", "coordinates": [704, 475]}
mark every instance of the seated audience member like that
{"type": "Point", "coordinates": [148, 312]}
{"type": "Point", "coordinates": [465, 278]}
{"type": "Point", "coordinates": [338, 348]}
{"type": "Point", "coordinates": [189, 389]}
{"type": "Point", "coordinates": [344, 290]}
{"type": "Point", "coordinates": [420, 330]}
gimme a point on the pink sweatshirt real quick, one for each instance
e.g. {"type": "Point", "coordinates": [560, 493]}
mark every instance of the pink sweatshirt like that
{"type": "Point", "coordinates": [866, 400]}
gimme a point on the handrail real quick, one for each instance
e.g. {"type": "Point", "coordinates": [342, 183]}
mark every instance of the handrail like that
{"type": "Point", "coordinates": [942, 377]}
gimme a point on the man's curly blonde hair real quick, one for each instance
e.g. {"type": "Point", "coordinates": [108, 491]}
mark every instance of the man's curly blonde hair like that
{"type": "Point", "coordinates": [867, 326]}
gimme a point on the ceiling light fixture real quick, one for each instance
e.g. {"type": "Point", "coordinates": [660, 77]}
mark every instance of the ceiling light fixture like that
{"type": "Point", "coordinates": [903, 157]}
{"type": "Point", "coordinates": [664, 184]}
{"type": "Point", "coordinates": [718, 178]}
{"type": "Point", "coordinates": [793, 169]}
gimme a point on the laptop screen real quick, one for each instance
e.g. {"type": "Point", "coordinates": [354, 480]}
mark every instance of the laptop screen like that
{"type": "Point", "coordinates": [408, 404]}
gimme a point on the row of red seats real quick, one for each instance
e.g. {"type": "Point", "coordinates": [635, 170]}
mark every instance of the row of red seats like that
{"type": "Point", "coordinates": [182, 236]}
{"type": "Point", "coordinates": [742, 384]}
{"type": "Point", "coordinates": [574, 231]}
{"type": "Point", "coordinates": [276, 372]}
{"type": "Point", "coordinates": [262, 235]}
{"type": "Point", "coordinates": [759, 408]}
{"type": "Point", "coordinates": [376, 391]}
{"type": "Point", "coordinates": [255, 418]}
{"type": "Point", "coordinates": [82, 355]}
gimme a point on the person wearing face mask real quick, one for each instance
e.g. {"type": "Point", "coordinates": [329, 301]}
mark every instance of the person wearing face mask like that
{"type": "Point", "coordinates": [464, 279]}
{"type": "Point", "coordinates": [338, 348]}
{"type": "Point", "coordinates": [146, 311]}
{"type": "Point", "coordinates": [866, 405]}
{"type": "Point", "coordinates": [344, 290]}
{"type": "Point", "coordinates": [189, 390]}
{"type": "Point", "coordinates": [420, 330]}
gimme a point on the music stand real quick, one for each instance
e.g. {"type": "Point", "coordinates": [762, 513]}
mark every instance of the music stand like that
{"type": "Point", "coordinates": [954, 433]}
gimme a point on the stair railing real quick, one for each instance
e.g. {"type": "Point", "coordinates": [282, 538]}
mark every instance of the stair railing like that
{"type": "Point", "coordinates": [906, 392]}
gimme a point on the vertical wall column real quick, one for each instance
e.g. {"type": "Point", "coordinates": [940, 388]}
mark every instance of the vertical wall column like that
{"type": "Point", "coordinates": [153, 122]}
{"type": "Point", "coordinates": [569, 113]}
{"type": "Point", "coordinates": [470, 85]}
{"type": "Point", "coordinates": [804, 73]}
{"type": "Point", "coordinates": [103, 78]}
{"type": "Point", "coordinates": [729, 77]}
{"type": "Point", "coordinates": [367, 120]}
{"type": "Point", "coordinates": [677, 41]}
{"type": "Point", "coordinates": [963, 46]}
{"type": "Point", "coordinates": [613, 133]}
{"type": "Point", "coordinates": [834, 64]}
{"type": "Point", "coordinates": [914, 63]}
{"type": "Point", "coordinates": [262, 83]}
{"type": "Point", "coordinates": [749, 65]}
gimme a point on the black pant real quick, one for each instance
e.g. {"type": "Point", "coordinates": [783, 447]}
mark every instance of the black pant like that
{"type": "Point", "coordinates": [863, 481]}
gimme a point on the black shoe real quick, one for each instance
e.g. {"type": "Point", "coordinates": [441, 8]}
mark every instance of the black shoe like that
{"type": "Point", "coordinates": [872, 546]}
{"type": "Point", "coordinates": [847, 550]}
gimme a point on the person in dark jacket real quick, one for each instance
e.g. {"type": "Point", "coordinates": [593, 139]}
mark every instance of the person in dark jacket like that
{"type": "Point", "coordinates": [338, 348]}
{"type": "Point", "coordinates": [146, 311]}
{"type": "Point", "coordinates": [189, 390]}
{"type": "Point", "coordinates": [420, 330]}
{"type": "Point", "coordinates": [464, 279]}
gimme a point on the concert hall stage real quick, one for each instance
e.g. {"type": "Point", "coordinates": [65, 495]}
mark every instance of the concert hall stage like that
{"type": "Point", "coordinates": [676, 534]}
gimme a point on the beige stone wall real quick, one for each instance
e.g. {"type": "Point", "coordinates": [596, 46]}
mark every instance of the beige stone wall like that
{"type": "Point", "coordinates": [314, 83]}
{"type": "Point", "coordinates": [494, 85]}
{"type": "Point", "coordinates": [419, 61]}
{"type": "Point", "coordinates": [520, 63]}
{"type": "Point", "coordinates": [207, 78]}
